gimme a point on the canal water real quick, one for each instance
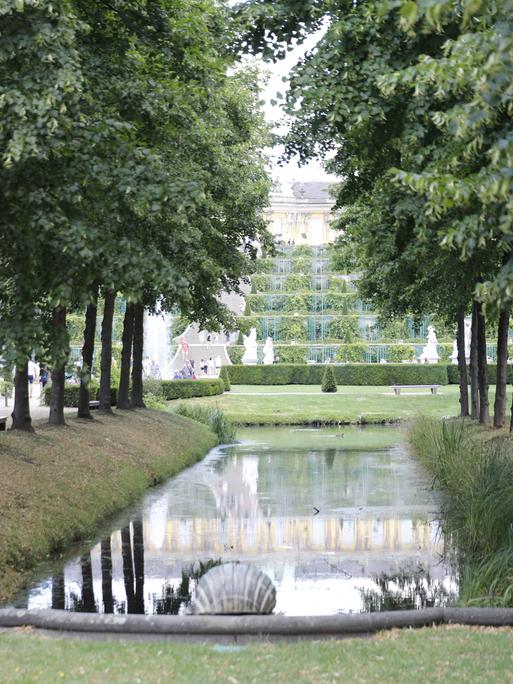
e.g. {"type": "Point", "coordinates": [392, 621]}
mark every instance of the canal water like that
{"type": "Point", "coordinates": [342, 520]}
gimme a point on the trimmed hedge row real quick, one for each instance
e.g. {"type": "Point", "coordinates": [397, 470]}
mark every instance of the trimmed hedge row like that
{"type": "Point", "coordinates": [71, 393]}
{"type": "Point", "coordinates": [185, 389]}
{"type": "Point", "coordinates": [350, 374]}
{"type": "Point", "coordinates": [452, 372]}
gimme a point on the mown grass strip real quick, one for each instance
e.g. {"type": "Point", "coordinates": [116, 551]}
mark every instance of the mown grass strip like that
{"type": "Point", "coordinates": [448, 654]}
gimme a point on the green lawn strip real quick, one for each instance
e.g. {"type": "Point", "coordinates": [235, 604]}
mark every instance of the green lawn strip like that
{"type": "Point", "coordinates": [285, 405]}
{"type": "Point", "coordinates": [57, 485]}
{"type": "Point", "coordinates": [442, 654]}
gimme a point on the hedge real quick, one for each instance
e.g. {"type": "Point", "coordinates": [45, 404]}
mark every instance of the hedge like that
{"type": "Point", "coordinates": [185, 389]}
{"type": "Point", "coordinates": [350, 374]}
{"type": "Point", "coordinates": [454, 379]}
{"type": "Point", "coordinates": [71, 393]}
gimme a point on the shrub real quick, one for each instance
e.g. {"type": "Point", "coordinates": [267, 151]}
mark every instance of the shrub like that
{"type": "Point", "coordinates": [345, 328]}
{"type": "Point", "coordinates": [254, 302]}
{"type": "Point", "coordinates": [297, 283]}
{"type": "Point", "coordinates": [225, 377]}
{"type": "Point", "coordinates": [329, 384]}
{"type": "Point", "coordinates": [247, 308]}
{"type": "Point", "coordinates": [400, 352]}
{"type": "Point", "coordinates": [350, 374]}
{"type": "Point", "coordinates": [261, 282]}
{"type": "Point", "coordinates": [212, 418]}
{"type": "Point", "coordinates": [351, 353]}
{"type": "Point", "coordinates": [454, 378]}
{"type": "Point", "coordinates": [292, 328]}
{"type": "Point", "coordinates": [297, 302]}
{"type": "Point", "coordinates": [301, 265]}
{"type": "Point", "coordinates": [185, 389]}
{"type": "Point", "coordinates": [264, 265]}
{"type": "Point", "coordinates": [337, 284]}
{"type": "Point", "coordinates": [290, 353]}
{"type": "Point", "coordinates": [302, 251]}
{"type": "Point", "coordinates": [235, 353]}
{"type": "Point", "coordinates": [71, 393]}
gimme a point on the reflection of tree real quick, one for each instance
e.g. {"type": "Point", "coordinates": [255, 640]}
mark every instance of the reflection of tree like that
{"type": "Point", "coordinates": [171, 599]}
{"type": "Point", "coordinates": [406, 590]}
{"type": "Point", "coordinates": [128, 568]}
{"type": "Point", "coordinates": [85, 603]}
{"type": "Point", "coordinates": [106, 563]}
{"type": "Point", "coordinates": [329, 457]}
{"type": "Point", "coordinates": [139, 565]}
{"type": "Point", "coordinates": [58, 601]}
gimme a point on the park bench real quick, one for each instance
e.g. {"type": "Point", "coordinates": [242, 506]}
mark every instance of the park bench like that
{"type": "Point", "coordinates": [3, 423]}
{"type": "Point", "coordinates": [94, 404]}
{"type": "Point", "coordinates": [397, 388]}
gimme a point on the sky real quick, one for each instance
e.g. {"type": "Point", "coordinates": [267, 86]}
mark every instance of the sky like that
{"type": "Point", "coordinates": [290, 172]}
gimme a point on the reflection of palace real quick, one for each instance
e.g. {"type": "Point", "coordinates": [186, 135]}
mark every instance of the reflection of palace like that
{"type": "Point", "coordinates": [312, 535]}
{"type": "Point", "coordinates": [255, 505]}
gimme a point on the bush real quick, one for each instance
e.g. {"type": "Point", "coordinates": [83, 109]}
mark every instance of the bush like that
{"type": "Point", "coordinates": [329, 384]}
{"type": "Point", "coordinates": [350, 374]}
{"type": "Point", "coordinates": [297, 302]}
{"type": "Point", "coordinates": [212, 418]}
{"type": "Point", "coordinates": [185, 389]}
{"type": "Point", "coordinates": [454, 377]}
{"type": "Point", "coordinates": [292, 328]}
{"type": "Point", "coordinates": [301, 265]}
{"type": "Point", "coordinates": [236, 352]}
{"type": "Point", "coordinates": [290, 353]}
{"type": "Point", "coordinates": [71, 393]}
{"type": "Point", "coordinates": [264, 266]}
{"type": "Point", "coordinates": [400, 352]}
{"type": "Point", "coordinates": [256, 303]}
{"type": "Point", "coordinates": [225, 377]}
{"type": "Point", "coordinates": [302, 251]}
{"type": "Point", "coordinates": [297, 283]}
{"type": "Point", "coordinates": [351, 353]}
{"type": "Point", "coordinates": [345, 328]}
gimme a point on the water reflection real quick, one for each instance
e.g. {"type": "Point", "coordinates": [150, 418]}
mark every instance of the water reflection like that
{"type": "Point", "coordinates": [374, 542]}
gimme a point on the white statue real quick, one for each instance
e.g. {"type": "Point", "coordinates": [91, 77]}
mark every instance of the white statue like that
{"type": "Point", "coordinates": [268, 351]}
{"type": "Point", "coordinates": [250, 348]}
{"type": "Point", "coordinates": [454, 355]}
{"type": "Point", "coordinates": [430, 351]}
{"type": "Point", "coordinates": [468, 333]}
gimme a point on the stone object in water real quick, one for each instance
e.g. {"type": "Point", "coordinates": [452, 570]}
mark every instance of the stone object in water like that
{"type": "Point", "coordinates": [234, 589]}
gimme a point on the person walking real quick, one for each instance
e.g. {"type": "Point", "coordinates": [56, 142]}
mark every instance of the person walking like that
{"type": "Point", "coordinates": [211, 368]}
{"type": "Point", "coordinates": [32, 375]}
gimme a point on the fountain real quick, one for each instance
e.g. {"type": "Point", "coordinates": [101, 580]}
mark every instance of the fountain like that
{"type": "Point", "coordinates": [157, 345]}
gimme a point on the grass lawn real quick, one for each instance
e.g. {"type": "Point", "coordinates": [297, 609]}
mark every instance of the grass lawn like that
{"type": "Point", "coordinates": [306, 404]}
{"type": "Point", "coordinates": [439, 654]}
{"type": "Point", "coordinates": [58, 484]}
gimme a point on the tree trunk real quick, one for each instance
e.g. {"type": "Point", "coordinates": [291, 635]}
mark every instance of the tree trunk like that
{"type": "Point", "coordinates": [106, 564]}
{"type": "Point", "coordinates": [59, 334]}
{"type": "Point", "coordinates": [462, 364]}
{"type": "Point", "coordinates": [104, 396]}
{"type": "Point", "coordinates": [123, 401]}
{"type": "Point", "coordinates": [484, 405]}
{"type": "Point", "coordinates": [137, 364]}
{"type": "Point", "coordinates": [474, 385]}
{"type": "Point", "coordinates": [499, 407]}
{"type": "Point", "coordinates": [87, 358]}
{"type": "Point", "coordinates": [21, 419]}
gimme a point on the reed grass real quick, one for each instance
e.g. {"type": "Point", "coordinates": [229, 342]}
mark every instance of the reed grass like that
{"type": "Point", "coordinates": [212, 417]}
{"type": "Point", "coordinates": [474, 468]}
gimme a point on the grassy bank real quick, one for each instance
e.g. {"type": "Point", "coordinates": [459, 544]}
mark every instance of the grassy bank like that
{"type": "Point", "coordinates": [307, 405]}
{"type": "Point", "coordinates": [448, 654]}
{"type": "Point", "coordinates": [57, 485]}
{"type": "Point", "coordinates": [474, 466]}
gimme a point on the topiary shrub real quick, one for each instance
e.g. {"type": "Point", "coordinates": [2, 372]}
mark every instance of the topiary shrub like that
{"type": "Point", "coordinates": [236, 353]}
{"type": "Point", "coordinates": [247, 308]}
{"type": "Point", "coordinates": [225, 377]}
{"type": "Point", "coordinates": [329, 384]}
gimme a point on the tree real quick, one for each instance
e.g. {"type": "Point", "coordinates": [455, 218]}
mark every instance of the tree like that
{"type": "Point", "coordinates": [329, 383]}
